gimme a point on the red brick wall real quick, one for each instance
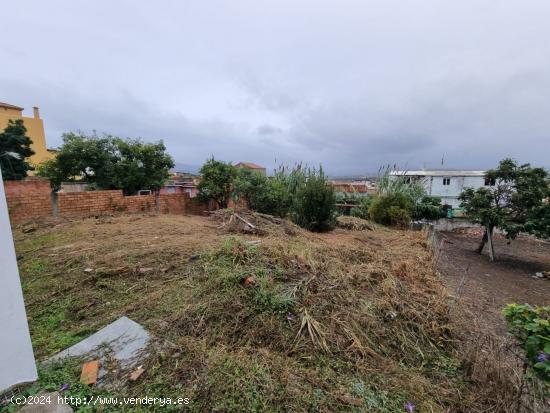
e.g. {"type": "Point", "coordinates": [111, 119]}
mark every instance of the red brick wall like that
{"type": "Point", "coordinates": [140, 203]}
{"type": "Point", "coordinates": [195, 207]}
{"type": "Point", "coordinates": [31, 198]}
{"type": "Point", "coordinates": [173, 203]}
{"type": "Point", "coordinates": [28, 199]}
{"type": "Point", "coordinates": [80, 204]}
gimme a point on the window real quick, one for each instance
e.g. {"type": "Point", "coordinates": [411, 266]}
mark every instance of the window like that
{"type": "Point", "coordinates": [446, 181]}
{"type": "Point", "coordinates": [490, 181]}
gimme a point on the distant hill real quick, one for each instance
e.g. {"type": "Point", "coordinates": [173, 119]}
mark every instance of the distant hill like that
{"type": "Point", "coordinates": [184, 167]}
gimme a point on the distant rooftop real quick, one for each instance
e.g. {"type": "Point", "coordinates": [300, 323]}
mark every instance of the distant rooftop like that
{"type": "Point", "coordinates": [435, 172]}
{"type": "Point", "coordinates": [249, 165]}
{"type": "Point", "coordinates": [8, 106]}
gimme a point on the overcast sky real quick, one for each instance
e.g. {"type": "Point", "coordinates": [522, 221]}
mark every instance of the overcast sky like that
{"type": "Point", "coordinates": [350, 84]}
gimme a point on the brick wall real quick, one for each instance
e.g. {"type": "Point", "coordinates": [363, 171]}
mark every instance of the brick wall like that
{"type": "Point", "coordinates": [139, 203]}
{"type": "Point", "coordinates": [31, 198]}
{"type": "Point", "coordinates": [173, 203]}
{"type": "Point", "coordinates": [28, 199]}
{"type": "Point", "coordinates": [80, 204]}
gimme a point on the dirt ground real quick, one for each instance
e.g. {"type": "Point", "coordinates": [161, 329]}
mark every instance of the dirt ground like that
{"type": "Point", "coordinates": [482, 287]}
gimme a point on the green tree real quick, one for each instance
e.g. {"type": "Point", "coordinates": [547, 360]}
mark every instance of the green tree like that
{"type": "Point", "coordinates": [109, 162]}
{"type": "Point", "coordinates": [516, 202]}
{"type": "Point", "coordinates": [15, 148]}
{"type": "Point", "coordinates": [140, 165]}
{"type": "Point", "coordinates": [216, 181]}
{"type": "Point", "coordinates": [315, 203]}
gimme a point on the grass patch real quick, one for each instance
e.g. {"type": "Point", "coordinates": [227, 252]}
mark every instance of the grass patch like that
{"type": "Point", "coordinates": [348, 321]}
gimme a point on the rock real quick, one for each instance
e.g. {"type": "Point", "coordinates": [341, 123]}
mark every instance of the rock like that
{"type": "Point", "coordinates": [146, 269]}
{"type": "Point", "coordinates": [55, 405]}
{"type": "Point", "coordinates": [88, 269]}
{"type": "Point", "coordinates": [539, 275]}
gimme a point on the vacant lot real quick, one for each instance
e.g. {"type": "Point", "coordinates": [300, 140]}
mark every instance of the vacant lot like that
{"type": "Point", "coordinates": [480, 289]}
{"type": "Point", "coordinates": [344, 321]}
{"type": "Point", "coordinates": [484, 287]}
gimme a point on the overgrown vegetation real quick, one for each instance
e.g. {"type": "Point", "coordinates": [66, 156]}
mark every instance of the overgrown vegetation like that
{"type": "Point", "coordinates": [15, 148]}
{"type": "Point", "coordinates": [297, 322]}
{"type": "Point", "coordinates": [531, 327]}
{"type": "Point", "coordinates": [108, 162]}
{"type": "Point", "coordinates": [314, 206]}
{"type": "Point", "coordinates": [516, 201]}
{"type": "Point", "coordinates": [398, 201]}
{"type": "Point", "coordinates": [302, 194]}
{"type": "Point", "coordinates": [216, 181]}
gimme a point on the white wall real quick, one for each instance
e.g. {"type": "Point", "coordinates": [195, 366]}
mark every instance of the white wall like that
{"type": "Point", "coordinates": [16, 356]}
{"type": "Point", "coordinates": [449, 193]}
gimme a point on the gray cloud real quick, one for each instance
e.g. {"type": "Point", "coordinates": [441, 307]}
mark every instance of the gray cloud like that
{"type": "Point", "coordinates": [269, 130]}
{"type": "Point", "coordinates": [352, 86]}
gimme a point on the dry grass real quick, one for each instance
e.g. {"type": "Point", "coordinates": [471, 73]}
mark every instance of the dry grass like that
{"type": "Point", "coordinates": [344, 321]}
{"type": "Point", "coordinates": [354, 223]}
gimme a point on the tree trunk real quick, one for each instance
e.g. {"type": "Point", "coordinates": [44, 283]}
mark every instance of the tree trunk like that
{"type": "Point", "coordinates": [490, 241]}
{"type": "Point", "coordinates": [483, 242]}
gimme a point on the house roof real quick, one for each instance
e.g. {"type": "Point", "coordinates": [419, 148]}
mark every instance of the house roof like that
{"type": "Point", "coordinates": [250, 165]}
{"type": "Point", "coordinates": [438, 173]}
{"type": "Point", "coordinates": [8, 106]}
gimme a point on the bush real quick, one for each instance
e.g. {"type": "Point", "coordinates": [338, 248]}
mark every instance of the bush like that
{"type": "Point", "coordinates": [531, 327]}
{"type": "Point", "coordinates": [263, 194]}
{"type": "Point", "coordinates": [391, 209]}
{"type": "Point", "coordinates": [216, 182]}
{"type": "Point", "coordinates": [398, 201]}
{"type": "Point", "coordinates": [429, 208]}
{"type": "Point", "coordinates": [399, 217]}
{"type": "Point", "coordinates": [314, 206]}
{"type": "Point", "coordinates": [362, 210]}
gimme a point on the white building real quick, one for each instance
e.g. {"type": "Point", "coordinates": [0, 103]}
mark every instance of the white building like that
{"type": "Point", "coordinates": [446, 184]}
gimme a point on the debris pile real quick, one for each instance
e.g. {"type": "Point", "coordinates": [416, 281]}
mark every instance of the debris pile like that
{"type": "Point", "coordinates": [254, 223]}
{"type": "Point", "coordinates": [354, 223]}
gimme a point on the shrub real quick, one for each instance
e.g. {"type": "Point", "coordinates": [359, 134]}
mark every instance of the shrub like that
{"type": "Point", "coordinates": [362, 210]}
{"type": "Point", "coordinates": [217, 178]}
{"type": "Point", "coordinates": [531, 327]}
{"type": "Point", "coordinates": [263, 194]}
{"type": "Point", "coordinates": [399, 217]}
{"type": "Point", "coordinates": [314, 206]}
{"type": "Point", "coordinates": [430, 208]}
{"type": "Point", "coordinates": [391, 209]}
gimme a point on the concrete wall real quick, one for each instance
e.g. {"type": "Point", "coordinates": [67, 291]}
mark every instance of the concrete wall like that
{"type": "Point", "coordinates": [449, 193]}
{"type": "Point", "coordinates": [450, 224]}
{"type": "Point", "coordinates": [16, 354]}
